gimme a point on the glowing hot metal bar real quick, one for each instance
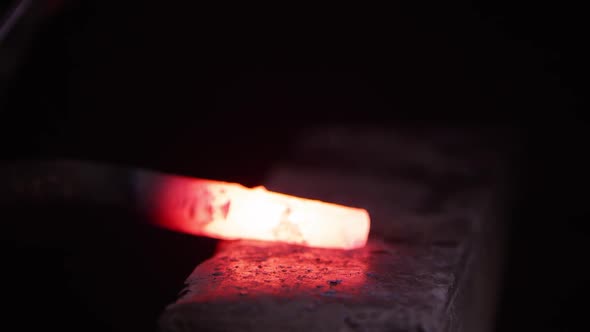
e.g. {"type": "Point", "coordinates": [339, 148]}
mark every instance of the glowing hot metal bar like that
{"type": "Point", "coordinates": [195, 206]}
{"type": "Point", "coordinates": [231, 211]}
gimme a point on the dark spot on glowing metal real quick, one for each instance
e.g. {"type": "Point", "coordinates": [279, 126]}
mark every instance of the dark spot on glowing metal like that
{"type": "Point", "coordinates": [225, 209]}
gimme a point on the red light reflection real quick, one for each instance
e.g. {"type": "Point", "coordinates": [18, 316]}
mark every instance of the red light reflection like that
{"type": "Point", "coordinates": [249, 268]}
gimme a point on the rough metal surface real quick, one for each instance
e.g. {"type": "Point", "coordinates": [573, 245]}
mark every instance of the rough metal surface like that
{"type": "Point", "coordinates": [254, 286]}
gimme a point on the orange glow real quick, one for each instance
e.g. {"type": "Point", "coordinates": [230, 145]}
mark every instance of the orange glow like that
{"type": "Point", "coordinates": [231, 211]}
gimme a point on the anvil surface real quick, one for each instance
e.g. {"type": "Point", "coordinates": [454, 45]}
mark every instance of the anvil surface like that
{"type": "Point", "coordinates": [259, 286]}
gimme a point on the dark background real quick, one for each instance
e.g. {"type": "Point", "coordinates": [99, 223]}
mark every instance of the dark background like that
{"type": "Point", "coordinates": [219, 93]}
